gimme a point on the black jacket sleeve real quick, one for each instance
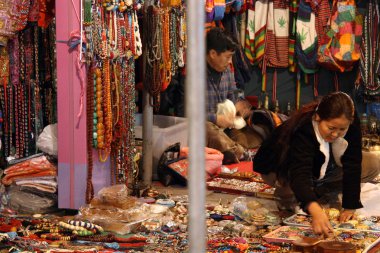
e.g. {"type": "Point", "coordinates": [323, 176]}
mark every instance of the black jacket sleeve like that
{"type": "Point", "coordinates": [351, 161]}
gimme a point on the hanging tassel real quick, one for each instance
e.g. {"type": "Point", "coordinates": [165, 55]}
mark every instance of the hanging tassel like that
{"type": "Point", "coordinates": [315, 88]}
{"type": "Point", "coordinates": [274, 87]}
{"type": "Point", "coordinates": [336, 82]}
{"type": "Point", "coordinates": [264, 74]}
{"type": "Point", "coordinates": [298, 90]}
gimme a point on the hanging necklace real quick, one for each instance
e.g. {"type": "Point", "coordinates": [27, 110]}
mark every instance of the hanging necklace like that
{"type": "Point", "coordinates": [90, 133]}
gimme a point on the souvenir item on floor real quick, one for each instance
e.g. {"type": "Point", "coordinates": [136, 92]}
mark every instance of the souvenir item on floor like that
{"type": "Point", "coordinates": [363, 240]}
{"type": "Point", "coordinates": [247, 176]}
{"type": "Point", "coordinates": [166, 202]}
{"type": "Point", "coordinates": [253, 212]}
{"type": "Point", "coordinates": [357, 222]}
{"type": "Point", "coordinates": [289, 234]}
{"type": "Point", "coordinates": [117, 196]}
{"type": "Point", "coordinates": [335, 246]}
{"type": "Point", "coordinates": [298, 220]}
{"type": "Point", "coordinates": [237, 186]}
{"type": "Point", "coordinates": [221, 212]}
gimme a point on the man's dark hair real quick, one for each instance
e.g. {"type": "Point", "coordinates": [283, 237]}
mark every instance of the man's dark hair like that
{"type": "Point", "coordinates": [219, 40]}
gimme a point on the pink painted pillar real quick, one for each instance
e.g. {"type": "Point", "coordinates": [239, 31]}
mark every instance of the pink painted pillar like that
{"type": "Point", "coordinates": [72, 154]}
{"type": "Point", "coordinates": [72, 161]}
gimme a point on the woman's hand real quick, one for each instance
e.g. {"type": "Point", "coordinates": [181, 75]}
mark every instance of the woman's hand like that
{"type": "Point", "coordinates": [346, 215]}
{"type": "Point", "coordinates": [320, 221]}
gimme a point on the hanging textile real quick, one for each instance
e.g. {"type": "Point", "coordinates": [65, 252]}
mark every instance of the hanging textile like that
{"type": "Point", "coordinates": [261, 16]}
{"type": "Point", "coordinates": [306, 40]}
{"type": "Point", "coordinates": [249, 41]}
{"type": "Point", "coordinates": [13, 18]}
{"type": "Point", "coordinates": [293, 10]}
{"type": "Point", "coordinates": [277, 34]}
{"type": "Point", "coordinates": [342, 49]}
{"type": "Point", "coordinates": [370, 51]}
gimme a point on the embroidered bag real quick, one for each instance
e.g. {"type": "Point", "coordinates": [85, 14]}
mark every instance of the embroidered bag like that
{"type": "Point", "coordinates": [343, 47]}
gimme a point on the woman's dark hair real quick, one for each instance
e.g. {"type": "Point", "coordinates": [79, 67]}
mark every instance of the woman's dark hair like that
{"type": "Point", "coordinates": [335, 105]}
{"type": "Point", "coordinates": [331, 106]}
{"type": "Point", "coordinates": [219, 40]}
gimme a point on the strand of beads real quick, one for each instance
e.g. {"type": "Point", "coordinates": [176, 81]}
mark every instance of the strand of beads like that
{"type": "Point", "coordinates": [90, 133]}
{"type": "Point", "coordinates": [166, 59]}
{"type": "Point", "coordinates": [98, 118]}
{"type": "Point", "coordinates": [104, 153]}
{"type": "Point", "coordinates": [86, 225]}
{"type": "Point", "coordinates": [77, 230]}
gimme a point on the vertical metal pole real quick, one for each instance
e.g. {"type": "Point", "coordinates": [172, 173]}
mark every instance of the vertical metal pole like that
{"type": "Point", "coordinates": [147, 133]}
{"type": "Point", "coordinates": [147, 139]}
{"type": "Point", "coordinates": [195, 111]}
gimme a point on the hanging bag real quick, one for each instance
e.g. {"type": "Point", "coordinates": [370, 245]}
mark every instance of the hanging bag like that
{"type": "Point", "coordinates": [342, 49]}
{"type": "Point", "coordinates": [306, 38]}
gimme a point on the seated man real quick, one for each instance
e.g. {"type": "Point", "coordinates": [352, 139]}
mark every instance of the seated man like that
{"type": "Point", "coordinates": [221, 86]}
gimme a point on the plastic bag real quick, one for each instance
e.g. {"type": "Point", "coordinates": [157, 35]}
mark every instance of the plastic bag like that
{"type": "Point", "coordinates": [47, 140]}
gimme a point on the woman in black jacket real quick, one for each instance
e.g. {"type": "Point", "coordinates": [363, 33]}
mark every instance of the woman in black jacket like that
{"type": "Point", "coordinates": [317, 147]}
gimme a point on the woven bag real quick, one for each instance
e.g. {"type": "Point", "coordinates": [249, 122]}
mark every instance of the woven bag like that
{"type": "Point", "coordinates": [343, 47]}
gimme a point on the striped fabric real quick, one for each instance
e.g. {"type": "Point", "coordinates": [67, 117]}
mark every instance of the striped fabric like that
{"type": "Point", "coordinates": [277, 35]}
{"type": "Point", "coordinates": [322, 11]}
{"type": "Point", "coordinates": [261, 15]}
{"type": "Point", "coordinates": [293, 9]}
{"type": "Point", "coordinates": [249, 45]}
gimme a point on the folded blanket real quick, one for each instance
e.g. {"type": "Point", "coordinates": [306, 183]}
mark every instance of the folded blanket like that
{"type": "Point", "coordinates": [36, 181]}
{"type": "Point", "coordinates": [45, 188]}
{"type": "Point", "coordinates": [33, 168]}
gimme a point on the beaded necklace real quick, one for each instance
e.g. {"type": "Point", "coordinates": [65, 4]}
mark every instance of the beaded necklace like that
{"type": "Point", "coordinates": [166, 59]}
{"type": "Point", "coordinates": [182, 38]}
{"type": "Point", "coordinates": [370, 63]}
{"type": "Point", "coordinates": [174, 38]}
{"type": "Point", "coordinates": [37, 112]}
{"type": "Point", "coordinates": [90, 134]}
{"type": "Point", "coordinates": [98, 117]}
{"type": "Point", "coordinates": [104, 153]}
{"type": "Point", "coordinates": [129, 145]}
{"type": "Point", "coordinates": [4, 76]}
{"type": "Point", "coordinates": [136, 36]}
{"type": "Point", "coordinates": [130, 44]}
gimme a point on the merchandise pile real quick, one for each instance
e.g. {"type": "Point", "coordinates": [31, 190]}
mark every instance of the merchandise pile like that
{"type": "Point", "coordinates": [158, 222]}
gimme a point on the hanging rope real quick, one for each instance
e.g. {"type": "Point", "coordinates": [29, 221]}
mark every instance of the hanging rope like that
{"type": "Point", "coordinates": [74, 42]}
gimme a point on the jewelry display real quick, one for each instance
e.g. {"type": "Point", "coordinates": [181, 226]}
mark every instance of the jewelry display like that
{"type": "Point", "coordinates": [241, 187]}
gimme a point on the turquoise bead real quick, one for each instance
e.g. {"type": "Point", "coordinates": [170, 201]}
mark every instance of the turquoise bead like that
{"type": "Point", "coordinates": [95, 135]}
{"type": "Point", "coordinates": [95, 121]}
{"type": "Point", "coordinates": [95, 115]}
